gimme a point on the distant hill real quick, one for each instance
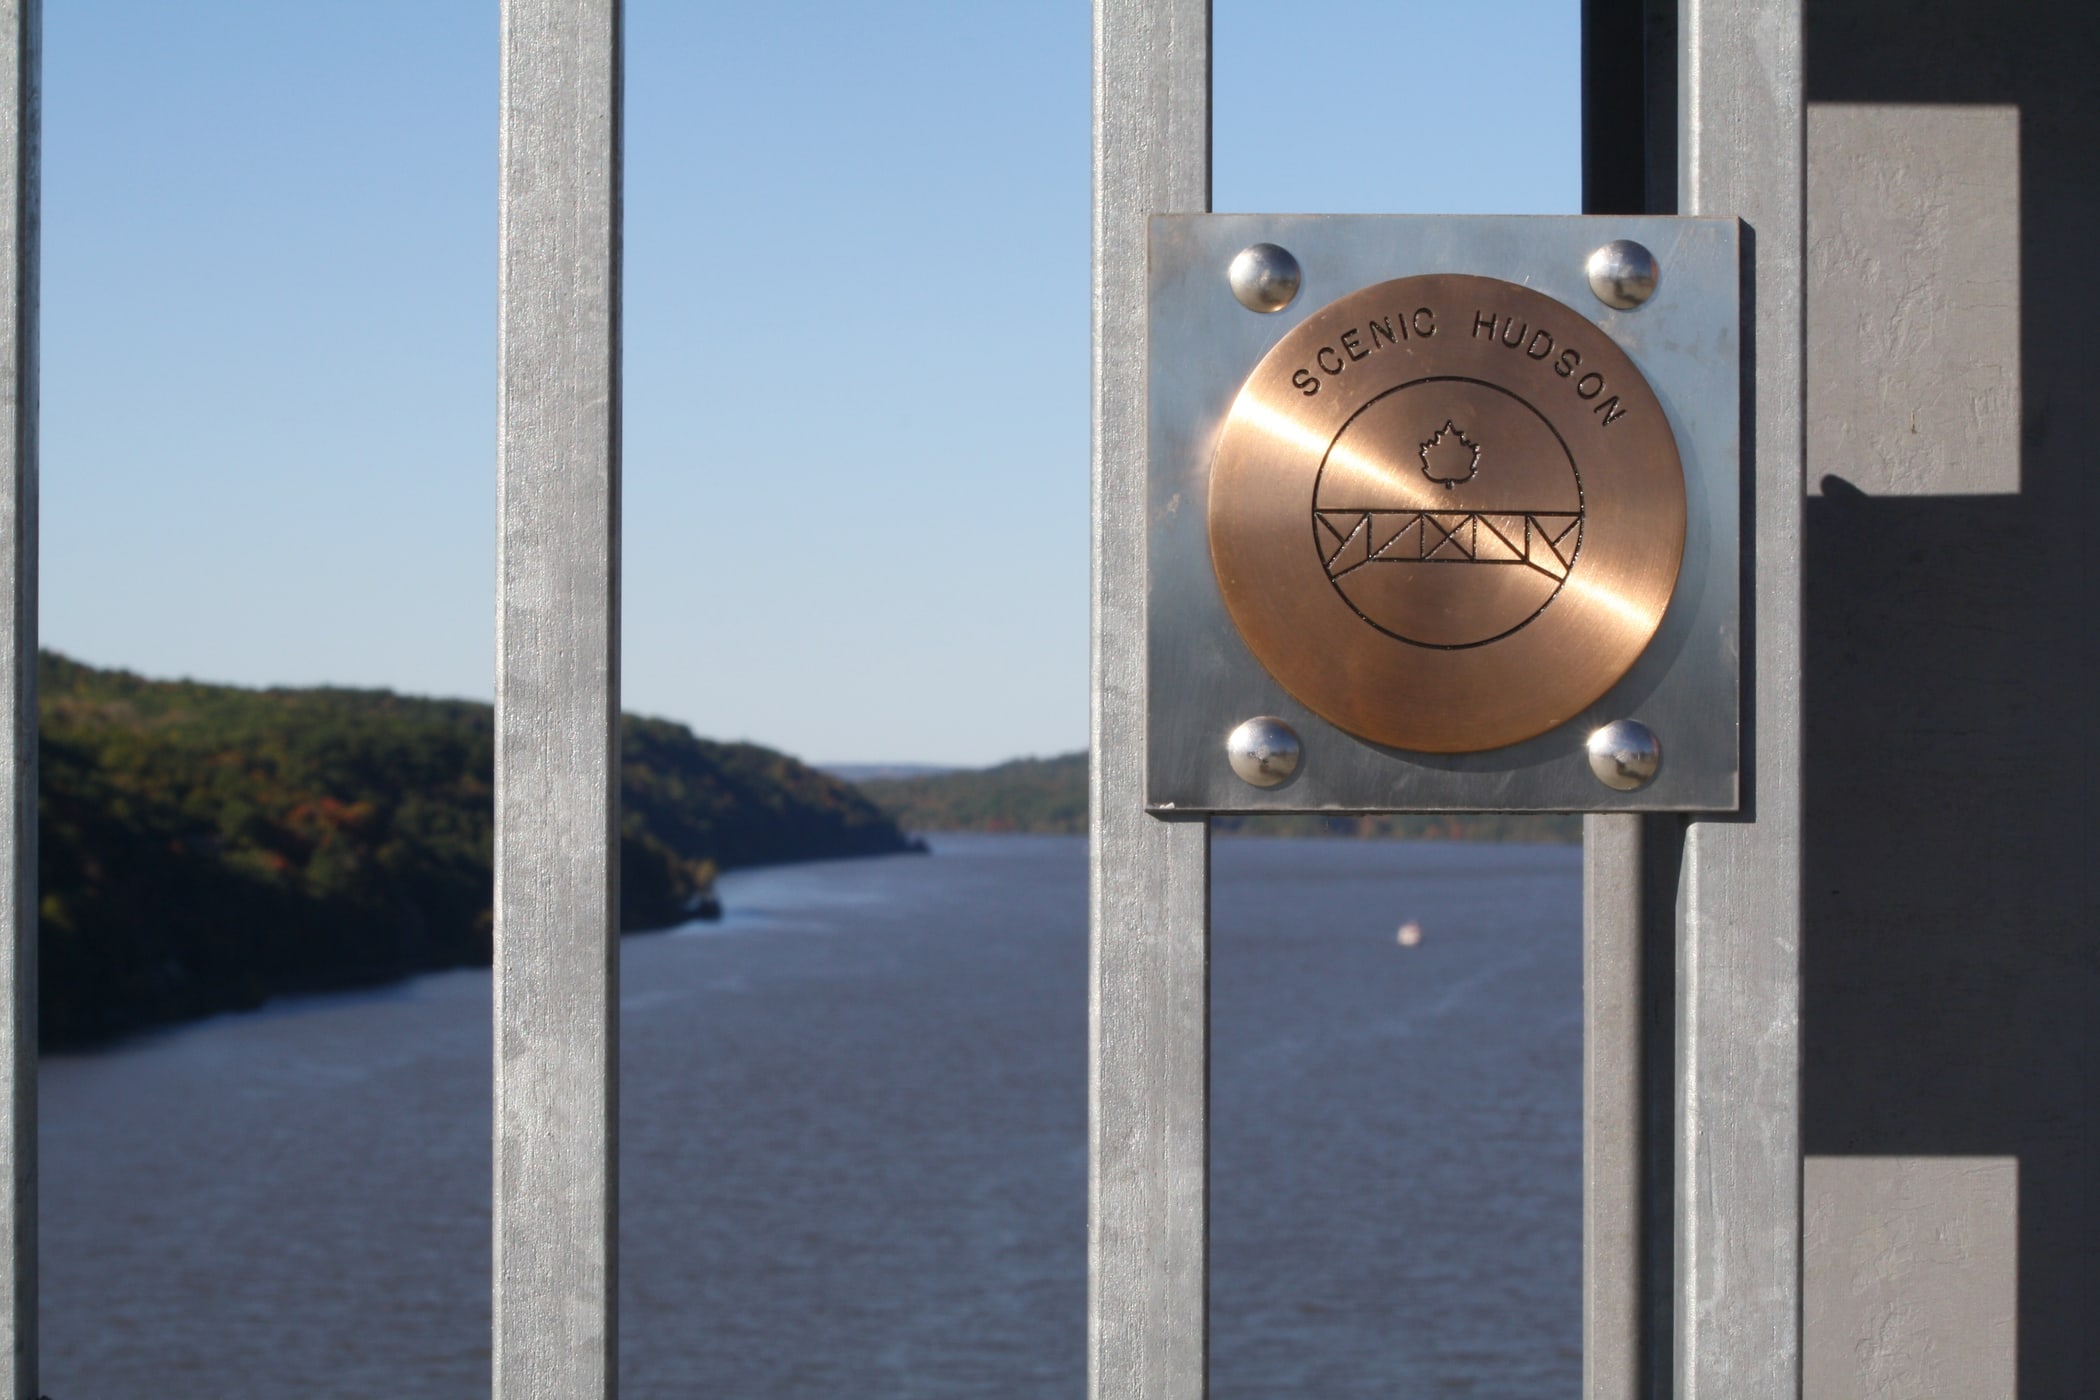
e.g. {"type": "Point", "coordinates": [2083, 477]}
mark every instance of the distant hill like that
{"type": "Point", "coordinates": [863, 772]}
{"type": "Point", "coordinates": [1049, 795]}
{"type": "Point", "coordinates": [205, 847]}
{"type": "Point", "coordinates": [1026, 794]}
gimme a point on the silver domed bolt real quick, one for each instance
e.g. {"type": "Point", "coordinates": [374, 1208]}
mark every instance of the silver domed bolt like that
{"type": "Point", "coordinates": [1625, 754]}
{"type": "Point", "coordinates": [1265, 277]}
{"type": "Point", "coordinates": [1264, 751]}
{"type": "Point", "coordinates": [1623, 274]}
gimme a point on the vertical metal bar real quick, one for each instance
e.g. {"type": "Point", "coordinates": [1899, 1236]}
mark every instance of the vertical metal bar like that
{"type": "Point", "coordinates": [20, 60]}
{"type": "Point", "coordinates": [1738, 1304]}
{"type": "Point", "coordinates": [1629, 57]}
{"type": "Point", "coordinates": [1149, 1002]}
{"type": "Point", "coordinates": [1614, 107]}
{"type": "Point", "coordinates": [1662, 864]}
{"type": "Point", "coordinates": [1612, 1264]}
{"type": "Point", "coordinates": [558, 704]}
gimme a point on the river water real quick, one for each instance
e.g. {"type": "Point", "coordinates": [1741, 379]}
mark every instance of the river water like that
{"type": "Point", "coordinates": [854, 1163]}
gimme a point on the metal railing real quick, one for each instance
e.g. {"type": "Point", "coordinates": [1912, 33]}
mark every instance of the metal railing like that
{"type": "Point", "coordinates": [1736, 1277]}
{"type": "Point", "coordinates": [558, 704]}
{"type": "Point", "coordinates": [21, 34]}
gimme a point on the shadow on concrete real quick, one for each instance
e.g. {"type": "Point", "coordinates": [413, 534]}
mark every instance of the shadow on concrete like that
{"type": "Point", "coordinates": [1951, 885]}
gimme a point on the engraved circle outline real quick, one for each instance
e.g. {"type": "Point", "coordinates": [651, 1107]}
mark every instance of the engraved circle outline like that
{"type": "Point", "coordinates": [1441, 701]}
{"type": "Point", "coordinates": [1581, 510]}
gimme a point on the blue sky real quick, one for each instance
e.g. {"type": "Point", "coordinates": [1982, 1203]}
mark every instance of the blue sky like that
{"type": "Point", "coordinates": [856, 332]}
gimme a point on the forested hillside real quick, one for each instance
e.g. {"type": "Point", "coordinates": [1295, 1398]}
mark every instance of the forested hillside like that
{"type": "Point", "coordinates": [205, 847]}
{"type": "Point", "coordinates": [1049, 795]}
{"type": "Point", "coordinates": [1028, 794]}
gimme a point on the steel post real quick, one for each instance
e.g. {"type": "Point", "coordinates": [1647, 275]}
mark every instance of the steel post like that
{"type": "Point", "coordinates": [1613, 1297]}
{"type": "Point", "coordinates": [20, 58]}
{"type": "Point", "coordinates": [1149, 992]}
{"type": "Point", "coordinates": [1737, 1306]}
{"type": "Point", "coordinates": [558, 705]}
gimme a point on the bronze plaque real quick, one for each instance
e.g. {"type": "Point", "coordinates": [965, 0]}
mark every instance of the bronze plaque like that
{"type": "Point", "coordinates": [1446, 513]}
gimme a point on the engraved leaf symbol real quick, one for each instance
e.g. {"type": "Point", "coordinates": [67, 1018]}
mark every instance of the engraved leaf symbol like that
{"type": "Point", "coordinates": [1450, 456]}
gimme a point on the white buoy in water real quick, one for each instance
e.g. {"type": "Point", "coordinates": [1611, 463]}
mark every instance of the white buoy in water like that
{"type": "Point", "coordinates": [1410, 934]}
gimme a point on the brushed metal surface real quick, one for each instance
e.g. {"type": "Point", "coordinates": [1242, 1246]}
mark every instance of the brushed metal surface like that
{"type": "Point", "coordinates": [1149, 881]}
{"type": "Point", "coordinates": [21, 54]}
{"type": "Point", "coordinates": [557, 704]}
{"type": "Point", "coordinates": [1204, 680]}
{"type": "Point", "coordinates": [1737, 1309]}
{"type": "Point", "coordinates": [1446, 513]}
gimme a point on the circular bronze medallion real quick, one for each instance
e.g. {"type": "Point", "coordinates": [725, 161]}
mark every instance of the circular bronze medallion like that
{"type": "Point", "coordinates": [1446, 513]}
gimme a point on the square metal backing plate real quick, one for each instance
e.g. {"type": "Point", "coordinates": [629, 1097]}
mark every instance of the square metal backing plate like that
{"type": "Point", "coordinates": [1203, 679]}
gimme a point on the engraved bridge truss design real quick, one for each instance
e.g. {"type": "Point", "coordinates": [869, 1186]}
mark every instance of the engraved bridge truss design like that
{"type": "Point", "coordinates": [1543, 540]}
